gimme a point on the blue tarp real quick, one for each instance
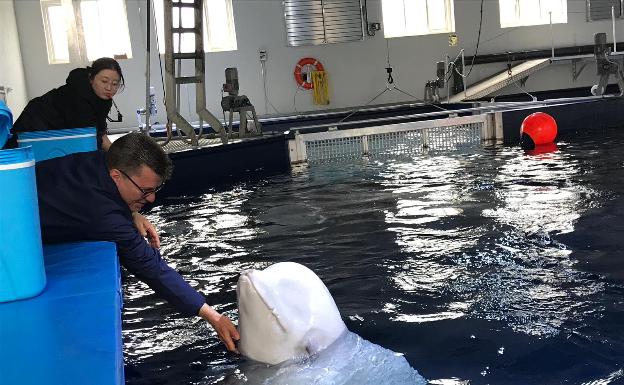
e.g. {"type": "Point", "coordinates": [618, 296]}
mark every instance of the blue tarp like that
{"type": "Point", "coordinates": [71, 333]}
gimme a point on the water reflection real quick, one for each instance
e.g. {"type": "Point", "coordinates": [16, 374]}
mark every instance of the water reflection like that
{"type": "Point", "coordinates": [430, 196]}
{"type": "Point", "coordinates": [501, 262]}
{"type": "Point", "coordinates": [201, 239]}
{"type": "Point", "coordinates": [453, 259]}
{"type": "Point", "coordinates": [537, 194]}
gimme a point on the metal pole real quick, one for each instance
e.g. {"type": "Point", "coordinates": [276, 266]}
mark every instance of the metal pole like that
{"type": "Point", "coordinates": [448, 84]}
{"type": "Point", "coordinates": [613, 27]}
{"type": "Point", "coordinates": [147, 67]}
{"type": "Point", "coordinates": [464, 73]}
{"type": "Point", "coordinates": [552, 38]}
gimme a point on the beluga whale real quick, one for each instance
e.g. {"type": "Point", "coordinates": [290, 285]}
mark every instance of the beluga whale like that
{"type": "Point", "coordinates": [285, 312]}
{"type": "Point", "coordinates": [292, 332]}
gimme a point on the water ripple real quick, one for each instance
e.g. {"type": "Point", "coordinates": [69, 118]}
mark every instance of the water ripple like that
{"type": "Point", "coordinates": [478, 265]}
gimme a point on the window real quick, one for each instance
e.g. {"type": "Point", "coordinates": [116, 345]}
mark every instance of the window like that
{"type": "Point", "coordinates": [219, 31]}
{"type": "Point", "coordinates": [84, 30]}
{"type": "Point", "coordinates": [56, 33]}
{"type": "Point", "coordinates": [516, 13]}
{"type": "Point", "coordinates": [603, 9]}
{"type": "Point", "coordinates": [315, 22]}
{"type": "Point", "coordinates": [417, 17]}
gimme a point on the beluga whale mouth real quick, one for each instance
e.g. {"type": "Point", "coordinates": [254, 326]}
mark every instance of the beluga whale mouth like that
{"type": "Point", "coordinates": [285, 313]}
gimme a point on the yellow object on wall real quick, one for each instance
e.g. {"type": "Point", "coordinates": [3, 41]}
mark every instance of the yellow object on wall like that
{"type": "Point", "coordinates": [320, 87]}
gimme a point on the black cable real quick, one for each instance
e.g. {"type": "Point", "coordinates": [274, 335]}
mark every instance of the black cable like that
{"type": "Point", "coordinates": [477, 48]}
{"type": "Point", "coordinates": [453, 67]}
{"type": "Point", "coordinates": [390, 79]}
{"type": "Point", "coordinates": [119, 115]}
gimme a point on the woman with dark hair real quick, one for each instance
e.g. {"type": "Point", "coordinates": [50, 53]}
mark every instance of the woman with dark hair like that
{"type": "Point", "coordinates": [84, 101]}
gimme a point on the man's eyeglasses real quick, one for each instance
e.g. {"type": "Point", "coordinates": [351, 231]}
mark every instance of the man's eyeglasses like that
{"type": "Point", "coordinates": [145, 192]}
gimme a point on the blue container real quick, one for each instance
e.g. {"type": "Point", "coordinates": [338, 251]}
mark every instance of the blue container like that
{"type": "Point", "coordinates": [55, 143]}
{"type": "Point", "coordinates": [6, 121]}
{"type": "Point", "coordinates": [22, 273]}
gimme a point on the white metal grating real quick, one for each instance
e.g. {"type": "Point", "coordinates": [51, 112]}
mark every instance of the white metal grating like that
{"type": "Point", "coordinates": [338, 148]}
{"type": "Point", "coordinates": [177, 145]}
{"type": "Point", "coordinates": [405, 142]}
{"type": "Point", "coordinates": [403, 138]}
{"type": "Point", "coordinates": [454, 137]}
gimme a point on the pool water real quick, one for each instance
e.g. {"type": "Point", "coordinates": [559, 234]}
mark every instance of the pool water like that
{"type": "Point", "coordinates": [482, 266]}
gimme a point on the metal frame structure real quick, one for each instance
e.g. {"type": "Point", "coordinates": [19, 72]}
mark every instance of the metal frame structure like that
{"type": "Point", "coordinates": [501, 80]}
{"type": "Point", "coordinates": [432, 130]}
{"type": "Point", "coordinates": [446, 133]}
{"type": "Point", "coordinates": [199, 79]}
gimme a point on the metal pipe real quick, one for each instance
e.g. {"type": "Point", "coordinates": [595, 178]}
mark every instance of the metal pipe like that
{"type": "Point", "coordinates": [489, 108]}
{"type": "Point", "coordinates": [464, 72]}
{"type": "Point", "coordinates": [448, 83]}
{"type": "Point", "coordinates": [536, 54]}
{"type": "Point", "coordinates": [496, 107]}
{"type": "Point", "coordinates": [613, 27]}
{"type": "Point", "coordinates": [552, 38]}
{"type": "Point", "coordinates": [147, 67]}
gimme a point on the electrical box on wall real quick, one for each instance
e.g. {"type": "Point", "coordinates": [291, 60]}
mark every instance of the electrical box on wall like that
{"type": "Point", "coordinates": [453, 40]}
{"type": "Point", "coordinates": [372, 28]}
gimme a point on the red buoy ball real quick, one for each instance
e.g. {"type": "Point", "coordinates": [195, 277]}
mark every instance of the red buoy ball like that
{"type": "Point", "coordinates": [540, 127]}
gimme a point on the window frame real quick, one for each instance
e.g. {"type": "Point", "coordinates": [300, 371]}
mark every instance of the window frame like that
{"type": "Point", "coordinates": [47, 29]}
{"type": "Point", "coordinates": [80, 24]}
{"type": "Point", "coordinates": [75, 34]}
{"type": "Point", "coordinates": [449, 16]}
{"type": "Point", "coordinates": [519, 22]}
{"type": "Point", "coordinates": [208, 45]}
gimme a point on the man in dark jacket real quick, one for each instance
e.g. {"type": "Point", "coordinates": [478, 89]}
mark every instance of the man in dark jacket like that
{"type": "Point", "coordinates": [91, 196]}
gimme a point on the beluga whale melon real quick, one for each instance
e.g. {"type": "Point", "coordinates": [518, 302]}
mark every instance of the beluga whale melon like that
{"type": "Point", "coordinates": [291, 328]}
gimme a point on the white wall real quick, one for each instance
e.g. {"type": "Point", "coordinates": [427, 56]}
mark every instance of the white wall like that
{"type": "Point", "coordinates": [11, 69]}
{"type": "Point", "coordinates": [356, 70]}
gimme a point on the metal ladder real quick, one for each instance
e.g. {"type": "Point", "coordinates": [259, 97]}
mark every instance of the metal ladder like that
{"type": "Point", "coordinates": [172, 82]}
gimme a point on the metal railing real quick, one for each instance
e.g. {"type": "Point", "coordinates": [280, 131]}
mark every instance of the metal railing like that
{"type": "Point", "coordinates": [401, 138]}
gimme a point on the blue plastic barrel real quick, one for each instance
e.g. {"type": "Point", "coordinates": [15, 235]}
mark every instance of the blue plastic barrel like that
{"type": "Point", "coordinates": [22, 273]}
{"type": "Point", "coordinates": [6, 121]}
{"type": "Point", "coordinates": [54, 143]}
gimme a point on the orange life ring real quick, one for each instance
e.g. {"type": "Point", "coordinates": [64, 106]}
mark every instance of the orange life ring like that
{"type": "Point", "coordinates": [307, 84]}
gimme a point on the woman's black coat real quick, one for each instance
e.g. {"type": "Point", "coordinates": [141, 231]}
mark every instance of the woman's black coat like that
{"type": "Point", "coordinates": [73, 105]}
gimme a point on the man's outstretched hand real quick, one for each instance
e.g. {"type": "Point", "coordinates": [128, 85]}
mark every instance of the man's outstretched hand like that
{"type": "Point", "coordinates": [222, 325]}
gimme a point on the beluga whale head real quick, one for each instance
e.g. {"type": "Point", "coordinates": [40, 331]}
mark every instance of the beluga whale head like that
{"type": "Point", "coordinates": [285, 312]}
